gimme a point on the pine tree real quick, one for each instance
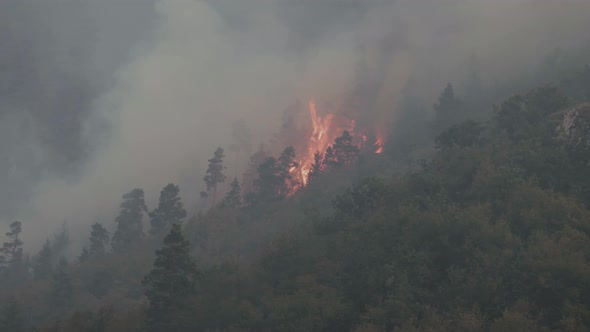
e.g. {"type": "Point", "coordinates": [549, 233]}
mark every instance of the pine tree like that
{"type": "Point", "coordinates": [171, 284]}
{"type": "Point", "coordinates": [251, 174]}
{"type": "Point", "coordinates": [129, 222]}
{"type": "Point", "coordinates": [11, 319]}
{"type": "Point", "coordinates": [99, 239]}
{"type": "Point", "coordinates": [448, 109]}
{"type": "Point", "coordinates": [12, 251]}
{"type": "Point", "coordinates": [317, 167]}
{"type": "Point", "coordinates": [268, 184]}
{"type": "Point", "coordinates": [285, 164]}
{"type": "Point", "coordinates": [43, 265]}
{"type": "Point", "coordinates": [215, 174]}
{"type": "Point", "coordinates": [343, 152]}
{"type": "Point", "coordinates": [63, 288]}
{"type": "Point", "coordinates": [233, 198]}
{"type": "Point", "coordinates": [84, 255]}
{"type": "Point", "coordinates": [169, 210]}
{"type": "Point", "coordinates": [61, 241]}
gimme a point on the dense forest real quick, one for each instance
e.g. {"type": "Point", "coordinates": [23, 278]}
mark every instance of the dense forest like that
{"type": "Point", "coordinates": [475, 219]}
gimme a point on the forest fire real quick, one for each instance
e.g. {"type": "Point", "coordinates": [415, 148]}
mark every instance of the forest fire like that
{"type": "Point", "coordinates": [323, 132]}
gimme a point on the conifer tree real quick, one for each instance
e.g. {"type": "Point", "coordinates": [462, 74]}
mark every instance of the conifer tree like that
{"type": "Point", "coordinates": [447, 109]}
{"type": "Point", "coordinates": [343, 152]}
{"type": "Point", "coordinates": [317, 167]}
{"type": "Point", "coordinates": [12, 252]}
{"type": "Point", "coordinates": [63, 288]}
{"type": "Point", "coordinates": [251, 174]}
{"type": "Point", "coordinates": [84, 255]}
{"type": "Point", "coordinates": [129, 222]}
{"type": "Point", "coordinates": [286, 164]}
{"type": "Point", "coordinates": [234, 196]}
{"type": "Point", "coordinates": [169, 210]}
{"type": "Point", "coordinates": [215, 173]}
{"type": "Point", "coordinates": [268, 184]}
{"type": "Point", "coordinates": [170, 284]}
{"type": "Point", "coordinates": [61, 241]}
{"type": "Point", "coordinates": [43, 265]}
{"type": "Point", "coordinates": [99, 239]}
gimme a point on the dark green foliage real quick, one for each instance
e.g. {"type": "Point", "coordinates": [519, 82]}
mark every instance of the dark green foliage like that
{"type": "Point", "coordinates": [43, 265]}
{"type": "Point", "coordinates": [99, 239]}
{"type": "Point", "coordinates": [169, 210]}
{"type": "Point", "coordinates": [461, 135]}
{"type": "Point", "coordinates": [520, 116]}
{"type": "Point", "coordinates": [215, 174]}
{"type": "Point", "coordinates": [361, 199]}
{"type": "Point", "coordinates": [11, 319]}
{"type": "Point", "coordinates": [130, 221]}
{"type": "Point", "coordinates": [233, 198]}
{"type": "Point", "coordinates": [170, 285]}
{"type": "Point", "coordinates": [274, 181]}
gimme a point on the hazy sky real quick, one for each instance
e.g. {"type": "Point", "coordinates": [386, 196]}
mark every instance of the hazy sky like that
{"type": "Point", "coordinates": [162, 83]}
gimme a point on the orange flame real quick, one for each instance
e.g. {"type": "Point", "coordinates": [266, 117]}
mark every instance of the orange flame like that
{"type": "Point", "coordinates": [379, 145]}
{"type": "Point", "coordinates": [324, 130]}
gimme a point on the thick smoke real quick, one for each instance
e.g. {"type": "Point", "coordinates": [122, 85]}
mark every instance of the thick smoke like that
{"type": "Point", "coordinates": [210, 64]}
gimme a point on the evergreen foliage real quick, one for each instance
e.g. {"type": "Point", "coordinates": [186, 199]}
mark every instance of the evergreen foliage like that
{"type": "Point", "coordinates": [169, 211]}
{"type": "Point", "coordinates": [129, 221]}
{"type": "Point", "coordinates": [170, 285]}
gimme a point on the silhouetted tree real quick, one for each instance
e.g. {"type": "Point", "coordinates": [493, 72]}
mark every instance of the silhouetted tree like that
{"type": "Point", "coordinates": [129, 222]}
{"type": "Point", "coordinates": [343, 152]}
{"type": "Point", "coordinates": [43, 265]}
{"type": "Point", "coordinates": [171, 284]}
{"type": "Point", "coordinates": [99, 239]}
{"type": "Point", "coordinates": [317, 167]}
{"type": "Point", "coordinates": [215, 174]}
{"type": "Point", "coordinates": [448, 109]}
{"type": "Point", "coordinates": [251, 174]}
{"type": "Point", "coordinates": [61, 241]}
{"type": "Point", "coordinates": [285, 165]}
{"type": "Point", "coordinates": [234, 197]}
{"type": "Point", "coordinates": [169, 210]}
{"type": "Point", "coordinates": [12, 252]}
{"type": "Point", "coordinates": [63, 288]}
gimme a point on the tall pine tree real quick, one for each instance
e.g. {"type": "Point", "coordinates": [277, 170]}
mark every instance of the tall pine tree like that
{"type": "Point", "coordinates": [215, 174]}
{"type": "Point", "coordinates": [169, 210]}
{"type": "Point", "coordinates": [129, 222]}
{"type": "Point", "coordinates": [234, 197]}
{"type": "Point", "coordinates": [99, 239]}
{"type": "Point", "coordinates": [43, 265]}
{"type": "Point", "coordinates": [171, 284]}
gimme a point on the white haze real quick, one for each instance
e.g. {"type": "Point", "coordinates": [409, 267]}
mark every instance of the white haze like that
{"type": "Point", "coordinates": [175, 102]}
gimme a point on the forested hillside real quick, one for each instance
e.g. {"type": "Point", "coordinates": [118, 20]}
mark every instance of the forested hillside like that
{"type": "Point", "coordinates": [466, 222]}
